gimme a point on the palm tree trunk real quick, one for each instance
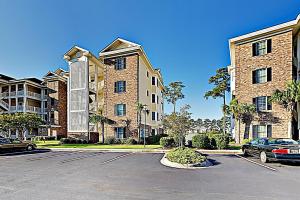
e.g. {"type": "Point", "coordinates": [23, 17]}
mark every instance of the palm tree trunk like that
{"type": "Point", "coordinates": [174, 107]}
{"type": "Point", "coordinates": [224, 114]}
{"type": "Point", "coordinates": [239, 131]}
{"type": "Point", "coordinates": [247, 128]}
{"type": "Point", "coordinates": [139, 129]}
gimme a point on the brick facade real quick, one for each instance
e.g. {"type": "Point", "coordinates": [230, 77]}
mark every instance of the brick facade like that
{"type": "Point", "coordinates": [61, 107]}
{"type": "Point", "coordinates": [280, 60]}
{"type": "Point", "coordinates": [130, 97]}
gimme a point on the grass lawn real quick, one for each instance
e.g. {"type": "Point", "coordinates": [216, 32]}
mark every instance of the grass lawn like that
{"type": "Point", "coordinates": [55, 144]}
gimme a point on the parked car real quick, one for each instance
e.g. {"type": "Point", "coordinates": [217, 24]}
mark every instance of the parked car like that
{"type": "Point", "coordinates": [269, 149]}
{"type": "Point", "coordinates": [15, 145]}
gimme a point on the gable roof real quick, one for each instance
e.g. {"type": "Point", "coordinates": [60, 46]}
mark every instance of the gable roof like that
{"type": "Point", "coordinates": [121, 43]}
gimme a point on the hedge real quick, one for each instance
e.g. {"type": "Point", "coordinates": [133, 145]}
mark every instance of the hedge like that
{"type": "Point", "coordinates": [185, 156]}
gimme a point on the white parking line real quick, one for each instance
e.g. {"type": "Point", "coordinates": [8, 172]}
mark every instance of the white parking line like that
{"type": "Point", "coordinates": [116, 158]}
{"type": "Point", "coordinates": [256, 163]}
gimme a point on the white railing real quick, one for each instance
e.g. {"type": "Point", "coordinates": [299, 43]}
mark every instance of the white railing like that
{"type": "Point", "coordinates": [92, 86]}
{"type": "Point", "coordinates": [13, 94]}
{"type": "Point", "coordinates": [33, 109]}
{"type": "Point", "coordinates": [13, 108]}
{"type": "Point", "coordinates": [4, 94]}
{"type": "Point", "coordinates": [4, 104]}
{"type": "Point", "coordinates": [20, 108]}
{"type": "Point", "coordinates": [20, 93]}
{"type": "Point", "coordinates": [33, 94]}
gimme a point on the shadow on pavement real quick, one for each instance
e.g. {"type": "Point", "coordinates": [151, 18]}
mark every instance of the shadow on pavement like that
{"type": "Point", "coordinates": [14, 153]}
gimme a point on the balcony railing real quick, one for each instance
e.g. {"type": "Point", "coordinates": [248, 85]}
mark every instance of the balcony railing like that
{"type": "Point", "coordinates": [92, 86]}
{"type": "Point", "coordinates": [21, 93]}
{"type": "Point", "coordinates": [33, 94]}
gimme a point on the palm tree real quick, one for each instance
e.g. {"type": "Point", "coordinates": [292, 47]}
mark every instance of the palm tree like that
{"type": "Point", "coordinates": [288, 99]}
{"type": "Point", "coordinates": [140, 107]}
{"type": "Point", "coordinates": [99, 118]}
{"type": "Point", "coordinates": [242, 112]}
{"type": "Point", "coordinates": [247, 111]}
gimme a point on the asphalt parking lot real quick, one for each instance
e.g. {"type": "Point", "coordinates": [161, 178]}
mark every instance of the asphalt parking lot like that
{"type": "Point", "coordinates": [98, 175]}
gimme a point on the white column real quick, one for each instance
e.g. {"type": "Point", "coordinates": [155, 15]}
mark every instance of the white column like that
{"type": "Point", "coordinates": [25, 97]}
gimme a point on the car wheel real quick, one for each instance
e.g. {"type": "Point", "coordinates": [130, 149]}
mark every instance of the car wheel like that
{"type": "Point", "coordinates": [263, 157]}
{"type": "Point", "coordinates": [245, 153]}
{"type": "Point", "coordinates": [29, 148]}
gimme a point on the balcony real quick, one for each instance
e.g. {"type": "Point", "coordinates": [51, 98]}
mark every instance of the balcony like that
{"type": "Point", "coordinates": [21, 93]}
{"type": "Point", "coordinates": [92, 87]}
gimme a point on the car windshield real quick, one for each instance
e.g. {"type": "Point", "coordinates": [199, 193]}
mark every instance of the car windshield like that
{"type": "Point", "coordinates": [282, 141]}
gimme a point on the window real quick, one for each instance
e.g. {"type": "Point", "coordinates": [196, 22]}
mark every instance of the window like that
{"type": "Point", "coordinates": [120, 109]}
{"type": "Point", "coordinates": [262, 75]}
{"type": "Point", "coordinates": [262, 47]}
{"type": "Point", "coordinates": [157, 116]}
{"type": "Point", "coordinates": [153, 80]}
{"type": "Point", "coordinates": [120, 63]}
{"type": "Point", "coordinates": [147, 93]}
{"type": "Point", "coordinates": [262, 103]}
{"type": "Point", "coordinates": [119, 132]}
{"type": "Point", "coordinates": [147, 74]}
{"type": "Point", "coordinates": [153, 116]}
{"type": "Point", "coordinates": [120, 86]}
{"type": "Point", "coordinates": [157, 99]}
{"type": "Point", "coordinates": [153, 98]}
{"type": "Point", "coordinates": [260, 131]}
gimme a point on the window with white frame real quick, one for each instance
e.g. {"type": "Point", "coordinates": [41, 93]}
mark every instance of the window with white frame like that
{"type": "Point", "coordinates": [262, 103]}
{"type": "Point", "coordinates": [120, 109]}
{"type": "Point", "coordinates": [262, 75]}
{"type": "Point", "coordinates": [261, 131]}
{"type": "Point", "coordinates": [262, 47]}
{"type": "Point", "coordinates": [119, 132]}
{"type": "Point", "coordinates": [120, 86]}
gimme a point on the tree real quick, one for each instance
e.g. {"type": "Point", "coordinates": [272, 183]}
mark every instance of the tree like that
{"type": "Point", "coordinates": [25, 122]}
{"type": "Point", "coordinates": [5, 122]}
{"type": "Point", "coordinates": [288, 99]}
{"type": "Point", "coordinates": [242, 113]}
{"type": "Point", "coordinates": [173, 93]}
{"type": "Point", "coordinates": [140, 107]}
{"type": "Point", "coordinates": [99, 118]}
{"type": "Point", "coordinates": [207, 124]}
{"type": "Point", "coordinates": [178, 124]}
{"type": "Point", "coordinates": [221, 82]}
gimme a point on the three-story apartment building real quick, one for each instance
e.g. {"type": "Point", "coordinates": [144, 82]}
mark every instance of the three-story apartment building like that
{"type": "Point", "coordinates": [23, 95]}
{"type": "Point", "coordinates": [262, 62]}
{"type": "Point", "coordinates": [112, 84]}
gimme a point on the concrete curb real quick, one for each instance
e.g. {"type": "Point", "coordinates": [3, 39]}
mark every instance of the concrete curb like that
{"type": "Point", "coordinates": [164, 161]}
{"type": "Point", "coordinates": [205, 151]}
{"type": "Point", "coordinates": [111, 150]}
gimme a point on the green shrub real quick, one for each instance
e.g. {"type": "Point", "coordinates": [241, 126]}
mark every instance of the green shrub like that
{"type": "Point", "coordinates": [201, 141]}
{"type": "Point", "coordinates": [166, 142]}
{"type": "Point", "coordinates": [155, 139]}
{"type": "Point", "coordinates": [110, 140]}
{"type": "Point", "coordinates": [185, 156]}
{"type": "Point", "coordinates": [245, 141]}
{"type": "Point", "coordinates": [222, 141]}
{"type": "Point", "coordinates": [130, 141]}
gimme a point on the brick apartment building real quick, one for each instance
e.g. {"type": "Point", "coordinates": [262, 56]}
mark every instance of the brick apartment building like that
{"type": "Point", "coordinates": [113, 84]}
{"type": "Point", "coordinates": [261, 62]}
{"type": "Point", "coordinates": [56, 118]}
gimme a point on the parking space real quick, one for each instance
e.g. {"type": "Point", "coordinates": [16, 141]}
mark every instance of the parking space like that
{"type": "Point", "coordinates": [101, 175]}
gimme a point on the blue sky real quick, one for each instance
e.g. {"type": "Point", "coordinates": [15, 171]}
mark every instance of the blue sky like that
{"type": "Point", "coordinates": [188, 40]}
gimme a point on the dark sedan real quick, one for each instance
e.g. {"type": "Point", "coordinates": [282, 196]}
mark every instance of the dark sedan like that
{"type": "Point", "coordinates": [16, 145]}
{"type": "Point", "coordinates": [269, 149]}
